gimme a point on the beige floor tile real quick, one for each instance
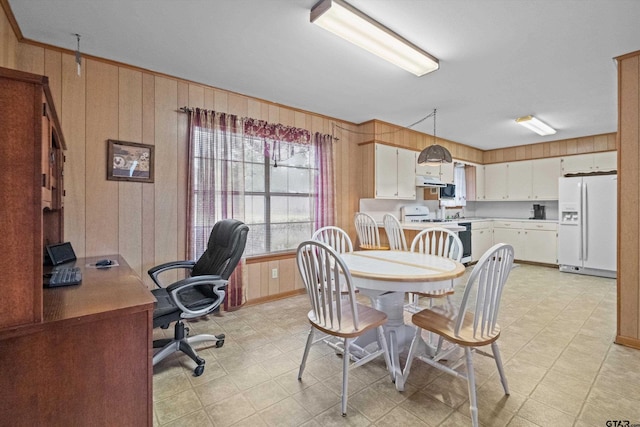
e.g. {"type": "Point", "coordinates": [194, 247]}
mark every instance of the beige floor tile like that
{"type": "Point", "coordinates": [400, 417]}
{"type": "Point", "coordinates": [266, 394]}
{"type": "Point", "coordinates": [518, 421]}
{"type": "Point", "coordinates": [522, 376]}
{"type": "Point", "coordinates": [371, 403]}
{"type": "Point", "coordinates": [544, 415]}
{"type": "Point", "coordinates": [164, 386]}
{"type": "Point", "coordinates": [216, 390]}
{"type": "Point", "coordinates": [229, 411]}
{"type": "Point", "coordinates": [253, 421]}
{"type": "Point", "coordinates": [249, 377]}
{"type": "Point", "coordinates": [334, 383]}
{"type": "Point", "coordinates": [176, 406]}
{"type": "Point", "coordinates": [196, 419]}
{"type": "Point", "coordinates": [426, 408]}
{"type": "Point", "coordinates": [289, 381]}
{"type": "Point", "coordinates": [553, 397]}
{"type": "Point", "coordinates": [317, 398]}
{"type": "Point", "coordinates": [623, 407]}
{"type": "Point", "coordinates": [287, 412]}
{"type": "Point", "coordinates": [333, 417]}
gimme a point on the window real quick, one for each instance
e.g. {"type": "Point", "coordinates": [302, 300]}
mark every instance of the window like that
{"type": "Point", "coordinates": [275, 198]}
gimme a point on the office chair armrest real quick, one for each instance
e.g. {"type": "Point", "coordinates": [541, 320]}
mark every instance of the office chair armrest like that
{"type": "Point", "coordinates": [215, 282]}
{"type": "Point", "coordinates": [154, 272]}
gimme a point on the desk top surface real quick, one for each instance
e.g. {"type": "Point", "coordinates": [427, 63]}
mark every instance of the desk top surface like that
{"type": "Point", "coordinates": [402, 266]}
{"type": "Point", "coordinates": [102, 290]}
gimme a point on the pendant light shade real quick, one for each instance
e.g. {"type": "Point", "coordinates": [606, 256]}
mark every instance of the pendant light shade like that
{"type": "Point", "coordinates": [434, 154]}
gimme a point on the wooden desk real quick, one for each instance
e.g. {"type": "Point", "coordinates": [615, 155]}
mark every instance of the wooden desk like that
{"type": "Point", "coordinates": [385, 276]}
{"type": "Point", "coordinates": [89, 361]}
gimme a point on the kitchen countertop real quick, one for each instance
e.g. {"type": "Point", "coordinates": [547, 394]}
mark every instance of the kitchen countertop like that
{"type": "Point", "coordinates": [419, 226]}
{"type": "Point", "coordinates": [475, 219]}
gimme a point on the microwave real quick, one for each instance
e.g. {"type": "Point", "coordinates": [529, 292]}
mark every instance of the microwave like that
{"type": "Point", "coordinates": [448, 192]}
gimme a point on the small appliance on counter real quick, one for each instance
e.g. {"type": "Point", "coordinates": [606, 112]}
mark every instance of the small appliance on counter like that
{"type": "Point", "coordinates": [417, 213]}
{"type": "Point", "coordinates": [538, 212]}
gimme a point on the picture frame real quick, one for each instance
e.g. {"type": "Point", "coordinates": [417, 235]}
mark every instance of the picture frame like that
{"type": "Point", "coordinates": [129, 161]}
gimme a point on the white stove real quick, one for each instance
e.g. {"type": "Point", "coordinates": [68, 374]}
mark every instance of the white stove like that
{"type": "Point", "coordinates": [417, 213]}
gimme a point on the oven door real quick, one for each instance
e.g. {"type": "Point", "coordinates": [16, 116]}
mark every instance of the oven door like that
{"type": "Point", "coordinates": [465, 237]}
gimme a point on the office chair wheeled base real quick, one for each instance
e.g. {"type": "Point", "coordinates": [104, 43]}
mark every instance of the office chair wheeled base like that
{"type": "Point", "coordinates": [182, 342]}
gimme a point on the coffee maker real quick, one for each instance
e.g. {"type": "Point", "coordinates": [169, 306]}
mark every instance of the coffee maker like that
{"type": "Point", "coordinates": [538, 212]}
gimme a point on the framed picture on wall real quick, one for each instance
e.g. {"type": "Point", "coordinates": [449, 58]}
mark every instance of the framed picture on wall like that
{"type": "Point", "coordinates": [129, 161]}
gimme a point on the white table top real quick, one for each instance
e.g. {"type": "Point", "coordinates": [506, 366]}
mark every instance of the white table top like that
{"type": "Point", "coordinates": [400, 271]}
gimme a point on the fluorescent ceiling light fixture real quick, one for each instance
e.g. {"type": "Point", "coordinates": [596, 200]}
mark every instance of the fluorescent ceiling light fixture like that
{"type": "Point", "coordinates": [344, 20]}
{"type": "Point", "coordinates": [538, 126]}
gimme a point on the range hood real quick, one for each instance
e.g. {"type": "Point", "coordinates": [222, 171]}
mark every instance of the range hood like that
{"type": "Point", "coordinates": [428, 181]}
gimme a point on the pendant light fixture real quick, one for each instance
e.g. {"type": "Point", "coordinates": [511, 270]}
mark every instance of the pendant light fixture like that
{"type": "Point", "coordinates": [78, 56]}
{"type": "Point", "coordinates": [434, 154]}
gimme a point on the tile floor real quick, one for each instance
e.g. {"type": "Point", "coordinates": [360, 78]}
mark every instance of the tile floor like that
{"type": "Point", "coordinates": [557, 346]}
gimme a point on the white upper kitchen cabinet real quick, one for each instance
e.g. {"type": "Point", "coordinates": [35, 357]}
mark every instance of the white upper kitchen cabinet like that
{"type": "Point", "coordinates": [591, 162]}
{"type": "Point", "coordinates": [480, 193]}
{"type": "Point", "coordinates": [425, 169]}
{"type": "Point", "coordinates": [545, 178]}
{"type": "Point", "coordinates": [519, 180]}
{"type": "Point", "coordinates": [495, 181]}
{"type": "Point", "coordinates": [394, 173]}
{"type": "Point", "coordinates": [446, 173]}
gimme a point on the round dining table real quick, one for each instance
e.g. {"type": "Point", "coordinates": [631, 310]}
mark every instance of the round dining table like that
{"type": "Point", "coordinates": [385, 277]}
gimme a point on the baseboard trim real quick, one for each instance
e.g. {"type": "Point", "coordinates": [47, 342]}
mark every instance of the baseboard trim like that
{"type": "Point", "coordinates": [628, 342]}
{"type": "Point", "coordinates": [275, 297]}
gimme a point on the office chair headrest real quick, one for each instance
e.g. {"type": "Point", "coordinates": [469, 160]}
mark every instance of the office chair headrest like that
{"type": "Point", "coordinates": [224, 249]}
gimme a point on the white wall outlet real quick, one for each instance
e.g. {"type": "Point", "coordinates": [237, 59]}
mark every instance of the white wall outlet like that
{"type": "Point", "coordinates": [274, 273]}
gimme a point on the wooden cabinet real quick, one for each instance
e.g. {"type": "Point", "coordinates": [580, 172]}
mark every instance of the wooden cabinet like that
{"type": "Point", "coordinates": [481, 238]}
{"type": "Point", "coordinates": [31, 163]}
{"type": "Point", "coordinates": [394, 171]}
{"type": "Point", "coordinates": [591, 162]}
{"type": "Point", "coordinates": [480, 183]}
{"type": "Point", "coordinates": [521, 181]}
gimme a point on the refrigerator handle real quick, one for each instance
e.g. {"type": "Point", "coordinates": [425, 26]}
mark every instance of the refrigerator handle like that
{"type": "Point", "coordinates": [580, 219]}
{"type": "Point", "coordinates": [585, 222]}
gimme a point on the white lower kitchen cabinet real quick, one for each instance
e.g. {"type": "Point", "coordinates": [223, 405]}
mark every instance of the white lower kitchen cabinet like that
{"type": "Point", "coordinates": [481, 238]}
{"type": "Point", "coordinates": [510, 232]}
{"type": "Point", "coordinates": [541, 243]}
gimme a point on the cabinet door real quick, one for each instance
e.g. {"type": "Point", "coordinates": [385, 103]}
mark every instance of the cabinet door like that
{"type": "Point", "coordinates": [577, 163]}
{"type": "Point", "coordinates": [604, 162]}
{"type": "Point", "coordinates": [406, 161]}
{"type": "Point", "coordinates": [481, 241]}
{"type": "Point", "coordinates": [386, 172]}
{"type": "Point", "coordinates": [541, 246]}
{"type": "Point", "coordinates": [427, 170]}
{"type": "Point", "coordinates": [446, 173]}
{"type": "Point", "coordinates": [545, 178]}
{"type": "Point", "coordinates": [495, 181]}
{"type": "Point", "coordinates": [511, 236]}
{"type": "Point", "coordinates": [480, 180]}
{"type": "Point", "coordinates": [519, 177]}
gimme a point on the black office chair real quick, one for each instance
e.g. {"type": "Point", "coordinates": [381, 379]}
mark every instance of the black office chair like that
{"type": "Point", "coordinates": [199, 294]}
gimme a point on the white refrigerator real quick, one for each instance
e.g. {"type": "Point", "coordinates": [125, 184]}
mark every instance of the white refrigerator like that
{"type": "Point", "coordinates": [587, 225]}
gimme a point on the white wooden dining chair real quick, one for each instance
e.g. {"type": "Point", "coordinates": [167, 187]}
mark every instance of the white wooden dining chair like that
{"type": "Point", "coordinates": [435, 241]}
{"type": "Point", "coordinates": [367, 230]}
{"type": "Point", "coordinates": [321, 268]}
{"type": "Point", "coordinates": [395, 233]}
{"type": "Point", "coordinates": [473, 324]}
{"type": "Point", "coordinates": [335, 237]}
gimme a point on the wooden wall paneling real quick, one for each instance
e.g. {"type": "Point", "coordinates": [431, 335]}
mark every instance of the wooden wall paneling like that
{"type": "Point", "coordinates": [253, 282]}
{"type": "Point", "coordinates": [30, 58]}
{"type": "Point", "coordinates": [220, 101]}
{"type": "Point", "coordinates": [53, 70]}
{"type": "Point", "coordinates": [183, 170]}
{"type": "Point", "coordinates": [197, 96]}
{"type": "Point", "coordinates": [286, 274]}
{"type": "Point", "coordinates": [600, 143]}
{"type": "Point", "coordinates": [166, 177]}
{"type": "Point", "coordinates": [316, 124]}
{"type": "Point", "coordinates": [8, 43]}
{"type": "Point", "coordinates": [101, 200]}
{"type": "Point", "coordinates": [209, 102]}
{"type": "Point", "coordinates": [265, 277]}
{"type": "Point", "coordinates": [286, 116]}
{"type": "Point", "coordinates": [130, 193]}
{"type": "Point", "coordinates": [628, 214]}
{"type": "Point", "coordinates": [238, 105]}
{"type": "Point", "coordinates": [148, 190]}
{"type": "Point", "coordinates": [299, 118]}
{"type": "Point", "coordinates": [72, 111]}
{"type": "Point", "coordinates": [254, 109]}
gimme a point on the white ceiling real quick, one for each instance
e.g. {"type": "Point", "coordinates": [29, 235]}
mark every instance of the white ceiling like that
{"type": "Point", "coordinates": [499, 59]}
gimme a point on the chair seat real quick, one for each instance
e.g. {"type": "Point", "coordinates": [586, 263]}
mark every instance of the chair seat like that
{"type": "Point", "coordinates": [440, 293]}
{"type": "Point", "coordinates": [369, 318]}
{"type": "Point", "coordinates": [441, 320]}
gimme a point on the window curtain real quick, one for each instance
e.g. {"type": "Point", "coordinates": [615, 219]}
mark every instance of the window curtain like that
{"type": "Point", "coordinates": [325, 206]}
{"type": "Point", "coordinates": [216, 186]}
